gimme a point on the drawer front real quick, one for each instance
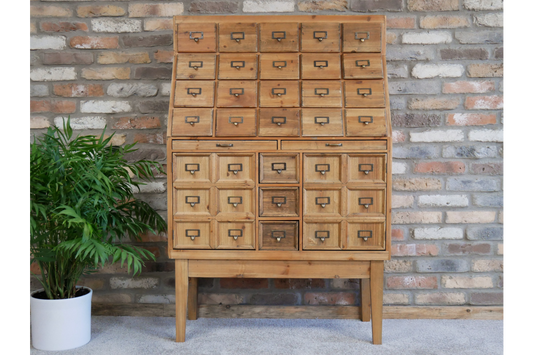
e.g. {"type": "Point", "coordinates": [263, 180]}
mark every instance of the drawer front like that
{"type": "Point", "coordinates": [279, 94]}
{"type": "Point", "coordinates": [221, 145]}
{"type": "Point", "coordinates": [280, 66]}
{"type": "Point", "coordinates": [236, 122]}
{"type": "Point", "coordinates": [362, 66]}
{"type": "Point", "coordinates": [322, 168]}
{"type": "Point", "coordinates": [322, 203]}
{"type": "Point", "coordinates": [333, 145]}
{"type": "Point", "coordinates": [277, 122]}
{"type": "Point", "coordinates": [366, 169]}
{"type": "Point", "coordinates": [195, 66]}
{"type": "Point", "coordinates": [192, 202]}
{"type": "Point", "coordinates": [194, 94]}
{"type": "Point", "coordinates": [321, 37]}
{"type": "Point", "coordinates": [235, 235]}
{"type": "Point", "coordinates": [237, 66]}
{"type": "Point", "coordinates": [321, 122]}
{"type": "Point", "coordinates": [235, 203]}
{"type": "Point", "coordinates": [322, 236]}
{"type": "Point", "coordinates": [366, 202]}
{"type": "Point", "coordinates": [237, 94]}
{"type": "Point", "coordinates": [192, 122]}
{"type": "Point", "coordinates": [321, 66]}
{"type": "Point", "coordinates": [236, 168]}
{"type": "Point", "coordinates": [364, 93]}
{"type": "Point", "coordinates": [279, 168]}
{"type": "Point", "coordinates": [196, 37]}
{"type": "Point", "coordinates": [278, 235]}
{"type": "Point", "coordinates": [192, 235]}
{"type": "Point", "coordinates": [363, 236]}
{"type": "Point", "coordinates": [191, 168]}
{"type": "Point", "coordinates": [237, 37]}
{"type": "Point", "coordinates": [279, 37]}
{"type": "Point", "coordinates": [321, 94]}
{"type": "Point", "coordinates": [276, 202]}
{"type": "Point", "coordinates": [361, 37]}
{"type": "Point", "coordinates": [366, 122]}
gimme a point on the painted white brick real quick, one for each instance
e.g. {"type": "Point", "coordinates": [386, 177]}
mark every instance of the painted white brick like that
{"type": "Point", "coordinates": [38, 122]}
{"type": "Point", "coordinates": [402, 201]}
{"type": "Point", "coordinates": [116, 25]}
{"type": "Point", "coordinates": [424, 71]}
{"type": "Point", "coordinates": [471, 217]}
{"type": "Point", "coordinates": [88, 122]}
{"type": "Point", "coordinates": [399, 168]}
{"type": "Point", "coordinates": [53, 74]}
{"type": "Point", "coordinates": [437, 136]}
{"type": "Point", "coordinates": [466, 282]}
{"type": "Point", "coordinates": [486, 135]}
{"type": "Point", "coordinates": [443, 201]}
{"type": "Point", "coordinates": [130, 89]}
{"type": "Point", "coordinates": [489, 20]}
{"type": "Point", "coordinates": [438, 233]}
{"type": "Point", "coordinates": [483, 4]}
{"type": "Point", "coordinates": [165, 89]}
{"type": "Point", "coordinates": [152, 187]}
{"type": "Point", "coordinates": [395, 298]}
{"type": "Point", "coordinates": [39, 90]}
{"type": "Point", "coordinates": [98, 106]}
{"type": "Point", "coordinates": [48, 42]}
{"type": "Point", "coordinates": [268, 6]}
{"type": "Point", "coordinates": [434, 37]}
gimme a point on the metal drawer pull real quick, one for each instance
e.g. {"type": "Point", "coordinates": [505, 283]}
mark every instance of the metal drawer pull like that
{"type": "Point", "coordinates": [236, 91]}
{"type": "Point", "coordinates": [321, 120]}
{"type": "Point", "coordinates": [192, 119]}
{"type": "Point", "coordinates": [279, 168]}
{"type": "Point", "coordinates": [279, 200]}
{"type": "Point", "coordinates": [192, 168]}
{"type": "Point", "coordinates": [238, 64]}
{"type": "Point", "coordinates": [234, 200]}
{"type": "Point", "coordinates": [228, 145]}
{"type": "Point", "coordinates": [321, 64]}
{"type": "Point", "coordinates": [279, 120]}
{"type": "Point", "coordinates": [237, 36]}
{"type": "Point", "coordinates": [236, 120]}
{"type": "Point", "coordinates": [235, 233]}
{"type": "Point", "coordinates": [365, 234]}
{"type": "Point", "coordinates": [320, 35]}
{"type": "Point", "coordinates": [362, 36]}
{"type": "Point", "coordinates": [368, 169]}
{"type": "Point", "coordinates": [192, 200]}
{"type": "Point", "coordinates": [362, 92]}
{"type": "Point", "coordinates": [366, 121]}
{"type": "Point", "coordinates": [194, 91]}
{"type": "Point", "coordinates": [333, 144]}
{"type": "Point", "coordinates": [362, 63]}
{"type": "Point", "coordinates": [322, 235]}
{"type": "Point", "coordinates": [322, 168]}
{"type": "Point", "coordinates": [280, 64]}
{"type": "Point", "coordinates": [321, 91]}
{"type": "Point", "coordinates": [369, 201]}
{"type": "Point", "coordinates": [235, 168]}
{"type": "Point", "coordinates": [279, 35]}
{"type": "Point", "coordinates": [279, 91]}
{"type": "Point", "coordinates": [195, 64]}
{"type": "Point", "coordinates": [196, 38]}
{"type": "Point", "coordinates": [278, 235]}
{"type": "Point", "coordinates": [192, 233]}
{"type": "Point", "coordinates": [322, 201]}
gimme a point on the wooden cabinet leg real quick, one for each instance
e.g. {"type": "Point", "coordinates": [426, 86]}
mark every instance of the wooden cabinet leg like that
{"type": "Point", "coordinates": [365, 300]}
{"type": "Point", "coordinates": [182, 285]}
{"type": "Point", "coordinates": [192, 308]}
{"type": "Point", "coordinates": [376, 295]}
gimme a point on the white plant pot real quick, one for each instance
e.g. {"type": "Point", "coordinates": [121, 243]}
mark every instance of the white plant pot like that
{"type": "Point", "coordinates": [60, 324]}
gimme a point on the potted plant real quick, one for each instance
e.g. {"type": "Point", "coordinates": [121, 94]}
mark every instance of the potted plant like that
{"type": "Point", "coordinates": [82, 207]}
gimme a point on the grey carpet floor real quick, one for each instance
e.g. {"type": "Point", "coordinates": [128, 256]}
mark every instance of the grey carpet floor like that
{"type": "Point", "coordinates": [155, 335]}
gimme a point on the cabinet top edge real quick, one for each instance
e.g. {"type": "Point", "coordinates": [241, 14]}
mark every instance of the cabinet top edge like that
{"type": "Point", "coordinates": [282, 18]}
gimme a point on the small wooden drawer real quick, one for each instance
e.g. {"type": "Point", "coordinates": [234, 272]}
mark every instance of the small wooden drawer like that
{"type": "Point", "coordinates": [280, 66]}
{"type": "Point", "coordinates": [321, 122]}
{"type": "Point", "coordinates": [361, 37]}
{"type": "Point", "coordinates": [192, 234]}
{"type": "Point", "coordinates": [333, 145]}
{"type": "Point", "coordinates": [322, 168]}
{"type": "Point", "coordinates": [279, 122]}
{"type": "Point", "coordinates": [321, 66]}
{"type": "Point", "coordinates": [194, 94]}
{"type": "Point", "coordinates": [195, 66]}
{"type": "Point", "coordinates": [192, 122]}
{"type": "Point", "coordinates": [223, 145]}
{"type": "Point", "coordinates": [367, 169]}
{"type": "Point", "coordinates": [235, 235]}
{"type": "Point", "coordinates": [188, 202]}
{"type": "Point", "coordinates": [279, 168]}
{"type": "Point", "coordinates": [237, 66]}
{"type": "Point", "coordinates": [364, 93]}
{"type": "Point", "coordinates": [322, 203]}
{"type": "Point", "coordinates": [191, 168]}
{"type": "Point", "coordinates": [321, 94]}
{"type": "Point", "coordinates": [236, 122]}
{"type": "Point", "coordinates": [366, 202]}
{"type": "Point", "coordinates": [196, 37]}
{"type": "Point", "coordinates": [366, 236]}
{"type": "Point", "coordinates": [366, 122]}
{"type": "Point", "coordinates": [279, 202]}
{"type": "Point", "coordinates": [322, 235]}
{"type": "Point", "coordinates": [237, 94]}
{"type": "Point", "coordinates": [235, 203]}
{"type": "Point", "coordinates": [279, 37]}
{"type": "Point", "coordinates": [362, 66]}
{"type": "Point", "coordinates": [237, 37]}
{"type": "Point", "coordinates": [236, 168]}
{"type": "Point", "coordinates": [279, 94]}
{"type": "Point", "coordinates": [321, 37]}
{"type": "Point", "coordinates": [278, 235]}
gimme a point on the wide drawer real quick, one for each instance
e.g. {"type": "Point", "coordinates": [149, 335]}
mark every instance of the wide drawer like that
{"type": "Point", "coordinates": [237, 37]}
{"type": "Point", "coordinates": [279, 37]}
{"type": "Point", "coordinates": [333, 145]}
{"type": "Point", "coordinates": [235, 235]}
{"type": "Point", "coordinates": [365, 236]}
{"type": "Point", "coordinates": [366, 122]}
{"type": "Point", "coordinates": [192, 122]}
{"type": "Point", "coordinates": [279, 168]}
{"type": "Point", "coordinates": [280, 66]}
{"type": "Point", "coordinates": [193, 234]}
{"type": "Point", "coordinates": [362, 66]}
{"type": "Point", "coordinates": [196, 37]}
{"type": "Point", "coordinates": [279, 202]}
{"type": "Point", "coordinates": [195, 66]}
{"type": "Point", "coordinates": [321, 37]}
{"type": "Point", "coordinates": [321, 66]}
{"type": "Point", "coordinates": [221, 145]}
{"type": "Point", "coordinates": [237, 66]}
{"type": "Point", "coordinates": [362, 37]}
{"type": "Point", "coordinates": [323, 235]}
{"type": "Point", "coordinates": [278, 235]}
{"type": "Point", "coordinates": [364, 93]}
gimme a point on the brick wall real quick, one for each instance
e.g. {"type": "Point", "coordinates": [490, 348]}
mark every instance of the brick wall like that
{"type": "Point", "coordinates": [109, 62]}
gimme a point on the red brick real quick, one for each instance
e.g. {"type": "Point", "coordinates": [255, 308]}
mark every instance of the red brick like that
{"type": "Point", "coordinates": [52, 106]}
{"type": "Point", "coordinates": [401, 22]}
{"type": "Point", "coordinates": [330, 298]}
{"type": "Point", "coordinates": [50, 11]}
{"type": "Point", "coordinates": [468, 248]}
{"type": "Point", "coordinates": [100, 11]}
{"type": "Point", "coordinates": [412, 282]}
{"type": "Point", "coordinates": [34, 268]}
{"type": "Point", "coordinates": [444, 22]}
{"type": "Point", "coordinates": [146, 122]}
{"type": "Point", "coordinates": [470, 119]}
{"type": "Point", "coordinates": [63, 26]}
{"type": "Point", "coordinates": [397, 234]}
{"type": "Point", "coordinates": [164, 56]}
{"type": "Point", "coordinates": [295, 284]}
{"type": "Point", "coordinates": [154, 250]}
{"type": "Point", "coordinates": [78, 90]}
{"type": "Point", "coordinates": [414, 250]}
{"type": "Point", "coordinates": [484, 102]}
{"type": "Point", "coordinates": [468, 87]}
{"type": "Point", "coordinates": [151, 237]}
{"type": "Point", "coordinates": [153, 138]}
{"type": "Point", "coordinates": [243, 283]}
{"type": "Point", "coordinates": [437, 167]}
{"type": "Point", "coordinates": [91, 42]}
{"type": "Point", "coordinates": [67, 58]}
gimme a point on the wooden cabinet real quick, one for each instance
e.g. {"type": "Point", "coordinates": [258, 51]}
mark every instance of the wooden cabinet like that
{"type": "Point", "coordinates": [279, 152]}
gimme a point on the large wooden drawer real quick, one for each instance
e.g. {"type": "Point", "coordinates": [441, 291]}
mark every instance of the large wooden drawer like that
{"type": "Point", "coordinates": [333, 145]}
{"type": "Point", "coordinates": [221, 145]}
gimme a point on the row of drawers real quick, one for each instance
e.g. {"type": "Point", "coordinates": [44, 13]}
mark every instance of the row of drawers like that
{"type": "Point", "coordinates": [279, 235]}
{"type": "Point", "coordinates": [279, 37]}
{"type": "Point", "coordinates": [277, 93]}
{"type": "Point", "coordinates": [272, 66]}
{"type": "Point", "coordinates": [303, 145]}
{"type": "Point", "coordinates": [279, 122]}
